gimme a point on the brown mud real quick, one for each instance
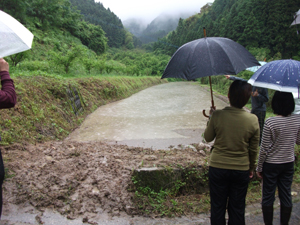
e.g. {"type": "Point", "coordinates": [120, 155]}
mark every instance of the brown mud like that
{"type": "Point", "coordinates": [81, 179]}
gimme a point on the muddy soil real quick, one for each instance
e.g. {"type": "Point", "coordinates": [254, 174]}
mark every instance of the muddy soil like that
{"type": "Point", "coordinates": [81, 179]}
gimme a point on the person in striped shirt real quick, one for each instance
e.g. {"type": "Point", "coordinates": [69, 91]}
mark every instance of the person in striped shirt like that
{"type": "Point", "coordinates": [276, 156]}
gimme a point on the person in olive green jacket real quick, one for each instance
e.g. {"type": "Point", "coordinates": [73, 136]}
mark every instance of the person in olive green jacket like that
{"type": "Point", "coordinates": [236, 134]}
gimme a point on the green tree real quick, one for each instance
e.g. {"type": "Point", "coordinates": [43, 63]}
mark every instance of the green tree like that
{"type": "Point", "coordinates": [100, 66]}
{"type": "Point", "coordinates": [46, 12]}
{"type": "Point", "coordinates": [92, 36]}
{"type": "Point", "coordinates": [252, 33]}
{"type": "Point", "coordinates": [17, 58]}
{"type": "Point", "coordinates": [15, 8]}
{"type": "Point", "coordinates": [129, 40]}
{"type": "Point", "coordinates": [67, 57]}
{"type": "Point", "coordinates": [95, 13]}
{"type": "Point", "coordinates": [254, 24]}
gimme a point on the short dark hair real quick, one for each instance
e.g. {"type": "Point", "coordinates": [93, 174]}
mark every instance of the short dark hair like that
{"type": "Point", "coordinates": [239, 93]}
{"type": "Point", "coordinates": [283, 103]}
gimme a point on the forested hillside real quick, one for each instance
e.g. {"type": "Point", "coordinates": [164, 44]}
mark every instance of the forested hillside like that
{"type": "Point", "coordinates": [158, 28]}
{"type": "Point", "coordinates": [95, 13]}
{"type": "Point", "coordinates": [256, 24]}
{"type": "Point", "coordinates": [61, 27]}
{"type": "Point", "coordinates": [55, 16]}
{"type": "Point", "coordinates": [66, 44]}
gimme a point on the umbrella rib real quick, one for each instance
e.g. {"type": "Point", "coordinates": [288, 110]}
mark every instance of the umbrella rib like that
{"type": "Point", "coordinates": [210, 57]}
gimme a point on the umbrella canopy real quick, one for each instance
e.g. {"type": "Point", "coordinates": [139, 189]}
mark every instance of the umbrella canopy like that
{"type": "Point", "coordinates": [280, 75]}
{"type": "Point", "coordinates": [297, 18]}
{"type": "Point", "coordinates": [255, 68]}
{"type": "Point", "coordinates": [209, 56]}
{"type": "Point", "coordinates": [14, 37]}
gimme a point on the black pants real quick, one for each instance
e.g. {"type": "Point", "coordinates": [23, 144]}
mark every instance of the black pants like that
{"type": "Point", "coordinates": [228, 187]}
{"type": "Point", "coordinates": [261, 115]}
{"type": "Point", "coordinates": [281, 176]}
{"type": "Point", "coordinates": [1, 181]}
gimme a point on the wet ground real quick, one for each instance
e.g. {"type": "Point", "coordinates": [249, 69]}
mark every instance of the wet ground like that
{"type": "Point", "coordinates": [83, 180]}
{"type": "Point", "coordinates": [158, 117]}
{"type": "Point", "coordinates": [28, 215]}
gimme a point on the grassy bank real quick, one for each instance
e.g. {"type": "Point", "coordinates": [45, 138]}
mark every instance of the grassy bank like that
{"type": "Point", "coordinates": [44, 108]}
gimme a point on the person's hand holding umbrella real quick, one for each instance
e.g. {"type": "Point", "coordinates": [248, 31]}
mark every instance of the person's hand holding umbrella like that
{"type": "Point", "coordinates": [212, 109]}
{"type": "Point", "coordinates": [8, 96]}
{"type": "Point", "coordinates": [4, 65]}
{"type": "Point", "coordinates": [255, 93]}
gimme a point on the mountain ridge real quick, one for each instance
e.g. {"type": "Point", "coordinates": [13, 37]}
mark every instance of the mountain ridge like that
{"type": "Point", "coordinates": [157, 28]}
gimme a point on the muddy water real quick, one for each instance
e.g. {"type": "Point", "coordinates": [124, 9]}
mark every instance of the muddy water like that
{"type": "Point", "coordinates": [159, 117]}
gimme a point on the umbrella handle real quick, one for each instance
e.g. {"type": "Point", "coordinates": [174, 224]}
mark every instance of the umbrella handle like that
{"type": "Point", "coordinates": [211, 94]}
{"type": "Point", "coordinates": [204, 31]}
{"type": "Point", "coordinates": [212, 108]}
{"type": "Point", "coordinates": [204, 114]}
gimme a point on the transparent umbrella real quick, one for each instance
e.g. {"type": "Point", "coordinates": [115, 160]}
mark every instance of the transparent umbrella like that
{"type": "Point", "coordinates": [296, 20]}
{"type": "Point", "coordinates": [14, 37]}
{"type": "Point", "coordinates": [255, 68]}
{"type": "Point", "coordinates": [281, 75]}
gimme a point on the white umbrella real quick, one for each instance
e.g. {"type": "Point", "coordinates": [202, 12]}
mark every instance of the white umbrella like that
{"type": "Point", "coordinates": [297, 18]}
{"type": "Point", "coordinates": [14, 37]}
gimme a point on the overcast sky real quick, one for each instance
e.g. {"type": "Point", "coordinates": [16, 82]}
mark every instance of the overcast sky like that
{"type": "Point", "coordinates": [150, 9]}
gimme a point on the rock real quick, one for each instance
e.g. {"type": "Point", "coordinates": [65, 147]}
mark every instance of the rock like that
{"type": "Point", "coordinates": [150, 157]}
{"type": "Point", "coordinates": [95, 191]}
{"type": "Point", "coordinates": [202, 152]}
{"type": "Point", "coordinates": [49, 158]}
{"type": "Point", "coordinates": [161, 179]}
{"type": "Point", "coordinates": [156, 178]}
{"type": "Point", "coordinates": [119, 160]}
{"type": "Point", "coordinates": [203, 146]}
{"type": "Point", "coordinates": [190, 147]}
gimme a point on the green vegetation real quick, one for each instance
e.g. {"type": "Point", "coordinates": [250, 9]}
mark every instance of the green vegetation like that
{"type": "Point", "coordinates": [69, 52]}
{"type": "Point", "coordinates": [262, 24]}
{"type": "Point", "coordinates": [95, 13]}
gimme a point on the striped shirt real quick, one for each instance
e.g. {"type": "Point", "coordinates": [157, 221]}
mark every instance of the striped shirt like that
{"type": "Point", "coordinates": [280, 135]}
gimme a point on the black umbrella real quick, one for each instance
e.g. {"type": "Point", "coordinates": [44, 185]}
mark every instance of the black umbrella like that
{"type": "Point", "coordinates": [209, 56]}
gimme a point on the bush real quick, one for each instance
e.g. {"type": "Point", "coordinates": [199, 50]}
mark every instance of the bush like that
{"type": "Point", "coordinates": [35, 66]}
